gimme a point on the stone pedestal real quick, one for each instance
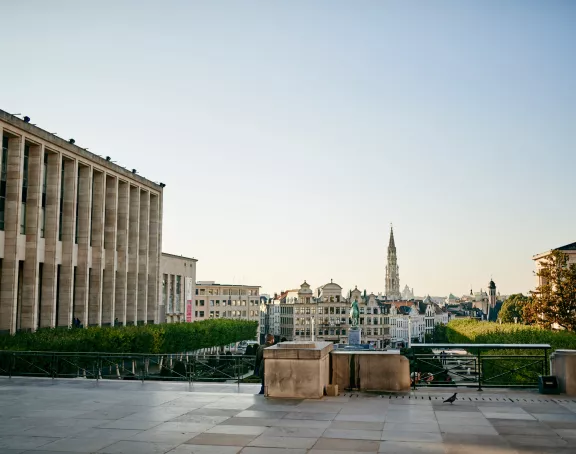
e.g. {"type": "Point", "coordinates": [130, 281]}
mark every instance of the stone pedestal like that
{"type": "Point", "coordinates": [354, 336]}
{"type": "Point", "coordinates": [297, 370]}
{"type": "Point", "coordinates": [563, 366]}
{"type": "Point", "coordinates": [370, 370]}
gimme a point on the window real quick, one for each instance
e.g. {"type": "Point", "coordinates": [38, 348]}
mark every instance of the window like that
{"type": "Point", "coordinates": [201, 313]}
{"type": "Point", "coordinates": [201, 302]}
{"type": "Point", "coordinates": [61, 202]}
{"type": "Point", "coordinates": [24, 190]}
{"type": "Point", "coordinates": [43, 209]}
{"type": "Point", "coordinates": [3, 174]}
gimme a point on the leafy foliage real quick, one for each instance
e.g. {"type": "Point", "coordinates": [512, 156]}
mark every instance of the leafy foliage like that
{"type": "Point", "coordinates": [555, 297]}
{"type": "Point", "coordinates": [164, 338]}
{"type": "Point", "coordinates": [476, 332]}
{"type": "Point", "coordinates": [513, 307]}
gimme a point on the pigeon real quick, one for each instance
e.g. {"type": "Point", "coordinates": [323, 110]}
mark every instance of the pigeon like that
{"type": "Point", "coordinates": [451, 399]}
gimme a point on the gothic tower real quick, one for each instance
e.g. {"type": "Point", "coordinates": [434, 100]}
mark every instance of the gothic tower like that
{"type": "Point", "coordinates": [392, 276]}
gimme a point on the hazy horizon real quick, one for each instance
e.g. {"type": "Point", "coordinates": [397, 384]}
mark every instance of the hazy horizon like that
{"type": "Point", "coordinates": [291, 134]}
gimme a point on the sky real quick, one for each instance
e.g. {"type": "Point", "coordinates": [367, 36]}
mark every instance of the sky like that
{"type": "Point", "coordinates": [291, 134]}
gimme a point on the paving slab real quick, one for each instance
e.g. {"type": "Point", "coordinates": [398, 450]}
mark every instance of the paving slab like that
{"type": "Point", "coordinates": [283, 442]}
{"type": "Point", "coordinates": [339, 444]}
{"type": "Point", "coordinates": [221, 439]}
{"type": "Point", "coordinates": [408, 447]}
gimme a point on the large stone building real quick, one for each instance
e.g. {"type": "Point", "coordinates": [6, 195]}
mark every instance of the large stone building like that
{"type": "Point", "coordinates": [178, 288]}
{"type": "Point", "coordinates": [80, 236]}
{"type": "Point", "coordinates": [392, 271]}
{"type": "Point", "coordinates": [214, 300]}
{"type": "Point", "coordinates": [569, 250]}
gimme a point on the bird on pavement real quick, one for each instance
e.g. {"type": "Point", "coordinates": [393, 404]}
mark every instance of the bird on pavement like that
{"type": "Point", "coordinates": [451, 399]}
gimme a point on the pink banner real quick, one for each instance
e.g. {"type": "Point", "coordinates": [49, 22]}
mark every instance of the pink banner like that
{"type": "Point", "coordinates": [189, 311]}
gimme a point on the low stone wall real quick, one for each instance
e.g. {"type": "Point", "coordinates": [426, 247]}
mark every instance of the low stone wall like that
{"type": "Point", "coordinates": [298, 371]}
{"type": "Point", "coordinates": [370, 370]}
{"type": "Point", "coordinates": [563, 366]}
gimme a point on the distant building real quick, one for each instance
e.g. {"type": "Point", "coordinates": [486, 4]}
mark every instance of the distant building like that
{"type": "Point", "coordinates": [325, 315]}
{"type": "Point", "coordinates": [178, 288]}
{"type": "Point", "coordinates": [569, 250]}
{"type": "Point", "coordinates": [239, 302]}
{"type": "Point", "coordinates": [407, 294]}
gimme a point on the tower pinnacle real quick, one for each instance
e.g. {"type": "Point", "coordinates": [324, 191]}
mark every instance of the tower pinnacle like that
{"type": "Point", "coordinates": [392, 275]}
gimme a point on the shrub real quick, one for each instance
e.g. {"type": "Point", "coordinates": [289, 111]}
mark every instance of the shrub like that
{"type": "Point", "coordinates": [163, 338]}
{"type": "Point", "coordinates": [476, 332]}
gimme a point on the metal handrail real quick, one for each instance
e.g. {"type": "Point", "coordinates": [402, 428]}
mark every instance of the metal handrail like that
{"type": "Point", "coordinates": [191, 367]}
{"type": "Point", "coordinates": [490, 369]}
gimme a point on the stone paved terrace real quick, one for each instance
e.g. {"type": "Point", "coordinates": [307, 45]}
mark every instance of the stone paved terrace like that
{"type": "Point", "coordinates": [82, 416]}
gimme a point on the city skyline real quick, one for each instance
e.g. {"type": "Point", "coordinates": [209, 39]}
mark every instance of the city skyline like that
{"type": "Point", "coordinates": [290, 135]}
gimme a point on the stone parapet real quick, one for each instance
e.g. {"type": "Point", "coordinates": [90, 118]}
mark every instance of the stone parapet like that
{"type": "Point", "coordinates": [563, 366]}
{"type": "Point", "coordinates": [370, 370]}
{"type": "Point", "coordinates": [299, 373]}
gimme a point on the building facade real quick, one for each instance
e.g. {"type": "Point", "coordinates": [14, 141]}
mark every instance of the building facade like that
{"type": "Point", "coordinates": [214, 300]}
{"type": "Point", "coordinates": [80, 236]}
{"type": "Point", "coordinates": [178, 288]}
{"type": "Point", "coordinates": [392, 271]}
{"type": "Point", "coordinates": [568, 249]}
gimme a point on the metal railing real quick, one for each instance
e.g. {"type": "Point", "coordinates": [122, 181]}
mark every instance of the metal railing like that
{"type": "Point", "coordinates": [478, 365]}
{"type": "Point", "coordinates": [191, 367]}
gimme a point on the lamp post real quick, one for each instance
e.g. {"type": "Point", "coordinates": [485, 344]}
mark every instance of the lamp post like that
{"type": "Point", "coordinates": [313, 330]}
{"type": "Point", "coordinates": [409, 332]}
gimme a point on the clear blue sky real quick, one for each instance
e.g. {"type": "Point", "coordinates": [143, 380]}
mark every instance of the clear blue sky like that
{"type": "Point", "coordinates": [290, 134]}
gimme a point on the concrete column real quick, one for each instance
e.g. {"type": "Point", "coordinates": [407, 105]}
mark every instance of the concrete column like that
{"type": "Point", "coordinates": [96, 272]}
{"type": "Point", "coordinates": [153, 259]}
{"type": "Point", "coordinates": [82, 268]}
{"type": "Point", "coordinates": [133, 237]}
{"type": "Point", "coordinates": [53, 182]}
{"type": "Point", "coordinates": [122, 251]}
{"type": "Point", "coordinates": [68, 240]}
{"type": "Point", "coordinates": [31, 265]}
{"type": "Point", "coordinates": [9, 290]}
{"type": "Point", "coordinates": [143, 256]}
{"type": "Point", "coordinates": [110, 227]}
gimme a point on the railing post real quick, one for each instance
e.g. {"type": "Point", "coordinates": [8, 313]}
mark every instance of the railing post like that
{"type": "Point", "coordinates": [479, 372]}
{"type": "Point", "coordinates": [414, 362]}
{"type": "Point", "coordinates": [10, 358]}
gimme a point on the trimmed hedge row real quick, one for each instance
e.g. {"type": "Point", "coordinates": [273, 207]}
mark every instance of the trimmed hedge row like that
{"type": "Point", "coordinates": [476, 332]}
{"type": "Point", "coordinates": [163, 338]}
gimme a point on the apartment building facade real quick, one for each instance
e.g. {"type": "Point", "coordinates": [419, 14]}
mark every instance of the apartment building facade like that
{"type": "Point", "coordinates": [178, 288]}
{"type": "Point", "coordinates": [213, 300]}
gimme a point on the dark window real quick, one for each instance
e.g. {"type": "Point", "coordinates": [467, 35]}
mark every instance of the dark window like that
{"type": "Point", "coordinates": [43, 210]}
{"type": "Point", "coordinates": [24, 190]}
{"type": "Point", "coordinates": [61, 202]}
{"type": "Point", "coordinates": [3, 173]}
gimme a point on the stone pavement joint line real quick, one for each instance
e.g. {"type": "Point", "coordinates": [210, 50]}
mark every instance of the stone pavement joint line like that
{"type": "Point", "coordinates": [125, 417]}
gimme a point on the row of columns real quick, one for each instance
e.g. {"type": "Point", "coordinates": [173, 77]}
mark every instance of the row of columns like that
{"type": "Point", "coordinates": [117, 243]}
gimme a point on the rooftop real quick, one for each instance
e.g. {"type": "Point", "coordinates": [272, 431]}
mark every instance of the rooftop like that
{"type": "Point", "coordinates": [67, 145]}
{"type": "Point", "coordinates": [113, 416]}
{"type": "Point", "coordinates": [179, 256]}
{"type": "Point", "coordinates": [214, 284]}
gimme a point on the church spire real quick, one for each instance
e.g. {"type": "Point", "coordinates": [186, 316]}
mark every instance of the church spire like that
{"type": "Point", "coordinates": [391, 242]}
{"type": "Point", "coordinates": [392, 274]}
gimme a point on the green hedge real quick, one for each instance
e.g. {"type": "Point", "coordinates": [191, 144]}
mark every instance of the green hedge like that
{"type": "Point", "coordinates": [164, 338]}
{"type": "Point", "coordinates": [476, 332]}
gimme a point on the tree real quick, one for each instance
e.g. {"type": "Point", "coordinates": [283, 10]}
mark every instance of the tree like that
{"type": "Point", "coordinates": [513, 307]}
{"type": "Point", "coordinates": [554, 300]}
